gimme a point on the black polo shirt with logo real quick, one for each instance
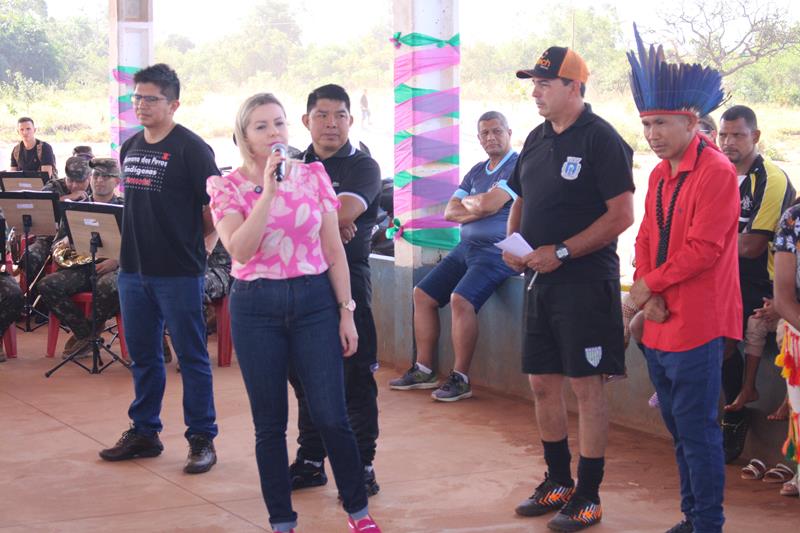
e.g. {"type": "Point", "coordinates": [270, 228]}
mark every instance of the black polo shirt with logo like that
{"type": "Point", "coordinates": [354, 173]}
{"type": "Point", "coordinates": [565, 180]}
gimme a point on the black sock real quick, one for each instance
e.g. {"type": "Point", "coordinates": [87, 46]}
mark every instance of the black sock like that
{"type": "Point", "coordinates": [557, 457]}
{"type": "Point", "coordinates": [732, 372]}
{"type": "Point", "coordinates": [590, 475]}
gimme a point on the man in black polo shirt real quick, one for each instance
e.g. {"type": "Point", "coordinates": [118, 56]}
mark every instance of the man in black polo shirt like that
{"type": "Point", "coordinates": [356, 179]}
{"type": "Point", "coordinates": [575, 185]}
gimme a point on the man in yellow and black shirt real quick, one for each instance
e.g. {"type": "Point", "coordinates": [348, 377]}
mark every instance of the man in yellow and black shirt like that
{"type": "Point", "coordinates": [765, 193]}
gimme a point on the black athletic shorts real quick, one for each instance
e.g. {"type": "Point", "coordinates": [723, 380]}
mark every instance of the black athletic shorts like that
{"type": "Point", "coordinates": [574, 329]}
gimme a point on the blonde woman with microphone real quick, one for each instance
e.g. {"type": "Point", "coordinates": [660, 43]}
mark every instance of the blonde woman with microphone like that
{"type": "Point", "coordinates": [290, 303]}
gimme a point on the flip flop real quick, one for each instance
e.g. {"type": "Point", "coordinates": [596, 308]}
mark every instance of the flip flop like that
{"type": "Point", "coordinates": [780, 474]}
{"type": "Point", "coordinates": [754, 470]}
{"type": "Point", "coordinates": [790, 489]}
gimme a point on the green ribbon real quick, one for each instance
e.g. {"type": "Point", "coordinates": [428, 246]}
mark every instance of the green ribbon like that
{"type": "Point", "coordinates": [444, 238]}
{"type": "Point", "coordinates": [392, 230]}
{"type": "Point", "coordinates": [405, 92]}
{"type": "Point", "coordinates": [420, 39]}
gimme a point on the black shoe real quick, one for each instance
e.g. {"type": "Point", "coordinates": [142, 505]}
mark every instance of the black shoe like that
{"type": "Point", "coordinates": [579, 513]}
{"type": "Point", "coordinates": [734, 435]}
{"type": "Point", "coordinates": [132, 445]}
{"type": "Point", "coordinates": [202, 455]}
{"type": "Point", "coordinates": [369, 482]}
{"type": "Point", "coordinates": [305, 474]}
{"type": "Point", "coordinates": [548, 496]}
{"type": "Point", "coordinates": [684, 526]}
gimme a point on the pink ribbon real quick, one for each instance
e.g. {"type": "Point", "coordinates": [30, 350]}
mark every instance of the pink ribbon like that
{"type": "Point", "coordinates": [423, 61]}
{"type": "Point", "coordinates": [422, 108]}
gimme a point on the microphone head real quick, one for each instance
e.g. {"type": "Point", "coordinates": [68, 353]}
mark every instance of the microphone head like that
{"type": "Point", "coordinates": [280, 172]}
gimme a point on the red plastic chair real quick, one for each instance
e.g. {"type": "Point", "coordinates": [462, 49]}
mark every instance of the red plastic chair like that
{"type": "Point", "coordinates": [224, 342]}
{"type": "Point", "coordinates": [10, 341]}
{"type": "Point", "coordinates": [10, 336]}
{"type": "Point", "coordinates": [83, 299]}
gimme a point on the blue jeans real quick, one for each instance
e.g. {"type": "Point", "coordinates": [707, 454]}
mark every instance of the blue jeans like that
{"type": "Point", "coordinates": [294, 321]}
{"type": "Point", "coordinates": [147, 304]}
{"type": "Point", "coordinates": [688, 385]}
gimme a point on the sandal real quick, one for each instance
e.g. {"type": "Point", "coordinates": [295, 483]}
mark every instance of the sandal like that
{"type": "Point", "coordinates": [780, 474]}
{"type": "Point", "coordinates": [754, 470]}
{"type": "Point", "coordinates": [790, 489]}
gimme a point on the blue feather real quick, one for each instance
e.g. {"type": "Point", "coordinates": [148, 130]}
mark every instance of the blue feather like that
{"type": "Point", "coordinates": [661, 86]}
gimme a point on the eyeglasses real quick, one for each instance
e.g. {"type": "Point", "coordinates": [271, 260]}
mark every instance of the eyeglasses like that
{"type": "Point", "coordinates": [147, 99]}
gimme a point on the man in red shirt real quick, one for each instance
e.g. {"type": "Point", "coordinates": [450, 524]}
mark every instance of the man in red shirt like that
{"type": "Point", "coordinates": [687, 274]}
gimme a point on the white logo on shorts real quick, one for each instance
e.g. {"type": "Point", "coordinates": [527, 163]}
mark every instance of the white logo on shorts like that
{"type": "Point", "coordinates": [593, 355]}
{"type": "Point", "coordinates": [571, 168]}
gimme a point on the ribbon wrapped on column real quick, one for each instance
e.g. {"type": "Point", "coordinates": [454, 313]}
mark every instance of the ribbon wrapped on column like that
{"type": "Point", "coordinates": [426, 160]}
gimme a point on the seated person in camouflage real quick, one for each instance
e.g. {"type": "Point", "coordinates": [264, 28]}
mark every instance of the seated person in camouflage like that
{"type": "Point", "coordinates": [74, 187]}
{"type": "Point", "coordinates": [10, 306]}
{"type": "Point", "coordinates": [218, 279]}
{"type": "Point", "coordinates": [218, 284]}
{"type": "Point", "coordinates": [84, 152]}
{"type": "Point", "coordinates": [57, 288]}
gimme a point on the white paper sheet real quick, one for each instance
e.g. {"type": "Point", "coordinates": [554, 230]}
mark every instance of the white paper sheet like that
{"type": "Point", "coordinates": [515, 244]}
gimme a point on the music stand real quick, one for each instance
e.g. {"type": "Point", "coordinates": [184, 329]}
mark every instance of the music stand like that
{"type": "Point", "coordinates": [22, 181]}
{"type": "Point", "coordinates": [38, 213]}
{"type": "Point", "coordinates": [93, 229]}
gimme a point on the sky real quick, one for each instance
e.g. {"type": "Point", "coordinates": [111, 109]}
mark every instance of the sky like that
{"type": "Point", "coordinates": [327, 20]}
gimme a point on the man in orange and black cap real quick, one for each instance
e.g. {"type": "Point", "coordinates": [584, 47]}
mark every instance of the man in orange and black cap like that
{"type": "Point", "coordinates": [575, 184]}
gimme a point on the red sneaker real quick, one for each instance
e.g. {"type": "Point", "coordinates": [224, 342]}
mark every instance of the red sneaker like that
{"type": "Point", "coordinates": [365, 525]}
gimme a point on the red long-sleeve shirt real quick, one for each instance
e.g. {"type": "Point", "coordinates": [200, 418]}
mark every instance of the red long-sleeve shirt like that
{"type": "Point", "coordinates": [700, 279]}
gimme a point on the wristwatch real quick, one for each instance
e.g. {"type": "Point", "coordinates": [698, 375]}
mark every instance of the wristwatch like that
{"type": "Point", "coordinates": [350, 306]}
{"type": "Point", "coordinates": [562, 252]}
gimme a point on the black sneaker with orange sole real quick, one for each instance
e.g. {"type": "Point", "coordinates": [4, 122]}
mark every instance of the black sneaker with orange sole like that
{"type": "Point", "coordinates": [579, 513]}
{"type": "Point", "coordinates": [548, 496]}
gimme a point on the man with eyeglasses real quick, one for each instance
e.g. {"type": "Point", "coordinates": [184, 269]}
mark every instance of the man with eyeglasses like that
{"type": "Point", "coordinates": [57, 288]}
{"type": "Point", "coordinates": [472, 271]}
{"type": "Point", "coordinates": [162, 265]}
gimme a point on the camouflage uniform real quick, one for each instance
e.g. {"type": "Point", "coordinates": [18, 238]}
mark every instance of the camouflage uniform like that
{"type": "Point", "coordinates": [11, 302]}
{"type": "Point", "coordinates": [40, 247]}
{"type": "Point", "coordinates": [218, 274]}
{"type": "Point", "coordinates": [56, 289]}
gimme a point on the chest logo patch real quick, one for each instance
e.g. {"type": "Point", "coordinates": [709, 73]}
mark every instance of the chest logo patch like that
{"type": "Point", "coordinates": [747, 204]}
{"type": "Point", "coordinates": [571, 168]}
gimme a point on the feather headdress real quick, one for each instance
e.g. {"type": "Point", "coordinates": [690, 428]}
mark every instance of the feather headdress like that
{"type": "Point", "coordinates": [660, 87]}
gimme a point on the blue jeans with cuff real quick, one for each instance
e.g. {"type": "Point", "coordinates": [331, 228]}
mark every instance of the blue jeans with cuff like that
{"type": "Point", "coordinates": [294, 321]}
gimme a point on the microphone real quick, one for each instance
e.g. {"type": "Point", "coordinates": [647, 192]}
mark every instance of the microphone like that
{"type": "Point", "coordinates": [280, 172]}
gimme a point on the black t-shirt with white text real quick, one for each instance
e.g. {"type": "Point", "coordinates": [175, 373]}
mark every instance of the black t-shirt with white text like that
{"type": "Point", "coordinates": [565, 180]}
{"type": "Point", "coordinates": [165, 191]}
{"type": "Point", "coordinates": [29, 159]}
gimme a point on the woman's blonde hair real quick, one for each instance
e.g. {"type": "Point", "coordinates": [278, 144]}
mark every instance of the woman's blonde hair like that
{"type": "Point", "coordinates": [243, 119]}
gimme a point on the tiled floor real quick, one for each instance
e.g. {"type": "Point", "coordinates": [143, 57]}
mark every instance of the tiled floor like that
{"type": "Point", "coordinates": [442, 467]}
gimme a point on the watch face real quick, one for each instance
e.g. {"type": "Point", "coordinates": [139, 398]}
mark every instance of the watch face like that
{"type": "Point", "coordinates": [561, 253]}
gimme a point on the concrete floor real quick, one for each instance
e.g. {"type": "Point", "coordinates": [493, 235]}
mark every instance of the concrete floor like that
{"type": "Point", "coordinates": [442, 467]}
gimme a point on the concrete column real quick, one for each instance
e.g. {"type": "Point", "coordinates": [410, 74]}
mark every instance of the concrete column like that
{"type": "Point", "coordinates": [437, 19]}
{"type": "Point", "coordinates": [130, 49]}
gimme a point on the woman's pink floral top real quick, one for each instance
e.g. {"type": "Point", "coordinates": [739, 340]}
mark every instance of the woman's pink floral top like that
{"type": "Point", "coordinates": [291, 245]}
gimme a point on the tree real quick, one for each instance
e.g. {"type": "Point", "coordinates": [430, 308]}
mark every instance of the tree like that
{"type": "Point", "coordinates": [729, 35]}
{"type": "Point", "coordinates": [24, 44]}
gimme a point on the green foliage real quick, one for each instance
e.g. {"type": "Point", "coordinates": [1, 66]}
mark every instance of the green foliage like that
{"type": "Point", "coordinates": [24, 44]}
{"type": "Point", "coordinates": [775, 80]}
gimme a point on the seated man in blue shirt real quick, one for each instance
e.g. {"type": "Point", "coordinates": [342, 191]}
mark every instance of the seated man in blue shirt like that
{"type": "Point", "coordinates": [470, 273]}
